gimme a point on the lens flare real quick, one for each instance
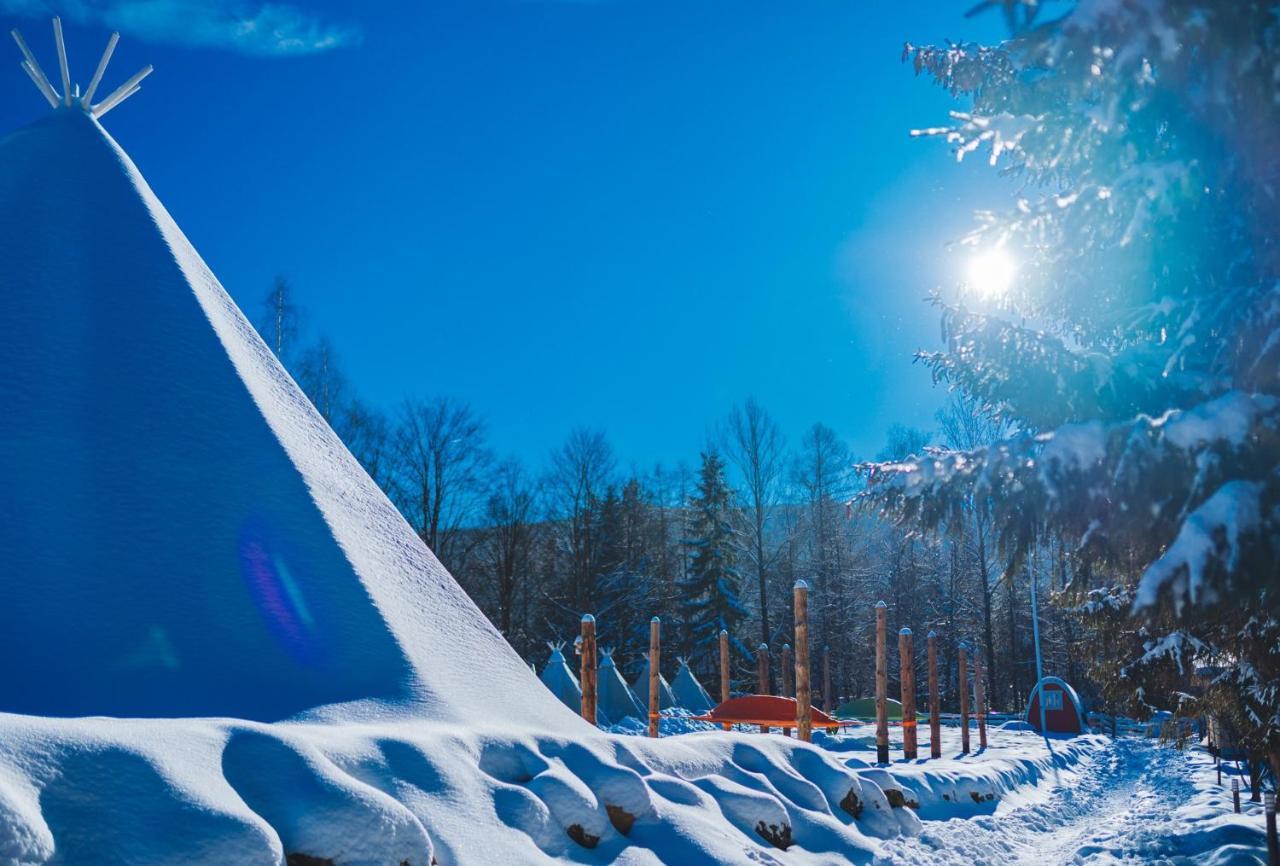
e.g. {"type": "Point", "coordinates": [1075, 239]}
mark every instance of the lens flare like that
{"type": "Point", "coordinates": [991, 273]}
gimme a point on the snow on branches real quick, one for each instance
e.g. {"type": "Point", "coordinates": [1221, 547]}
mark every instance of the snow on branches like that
{"type": "Point", "coordinates": [1137, 353]}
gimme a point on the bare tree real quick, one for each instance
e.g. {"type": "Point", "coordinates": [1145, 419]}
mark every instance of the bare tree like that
{"type": "Point", "coordinates": [321, 379]}
{"type": "Point", "coordinates": [580, 471]}
{"type": "Point", "coordinates": [965, 426]}
{"type": "Point", "coordinates": [509, 539]}
{"type": "Point", "coordinates": [367, 434]}
{"type": "Point", "coordinates": [280, 320]}
{"type": "Point", "coordinates": [755, 447]}
{"type": "Point", "coordinates": [443, 463]}
{"type": "Point", "coordinates": [823, 475]}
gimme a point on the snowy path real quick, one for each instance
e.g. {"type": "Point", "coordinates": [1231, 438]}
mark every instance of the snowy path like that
{"type": "Point", "coordinates": [1130, 806]}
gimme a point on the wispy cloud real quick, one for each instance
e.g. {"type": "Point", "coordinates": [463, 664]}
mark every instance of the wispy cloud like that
{"type": "Point", "coordinates": [264, 29]}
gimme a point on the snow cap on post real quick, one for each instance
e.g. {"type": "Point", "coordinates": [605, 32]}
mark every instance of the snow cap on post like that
{"type": "Point", "coordinates": [586, 617]}
{"type": "Point", "coordinates": [904, 630]}
{"type": "Point", "coordinates": [724, 631]}
{"type": "Point", "coordinates": [763, 646]}
{"type": "Point", "coordinates": [880, 604]}
{"type": "Point", "coordinates": [656, 619]}
{"type": "Point", "coordinates": [801, 584]}
{"type": "Point", "coordinates": [932, 633]}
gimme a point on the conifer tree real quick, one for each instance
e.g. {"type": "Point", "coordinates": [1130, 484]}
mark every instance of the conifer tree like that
{"type": "Point", "coordinates": [1136, 349]}
{"type": "Point", "coordinates": [712, 588]}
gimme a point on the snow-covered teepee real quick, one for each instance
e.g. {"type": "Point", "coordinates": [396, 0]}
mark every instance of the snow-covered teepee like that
{"type": "Point", "coordinates": [688, 692]}
{"type": "Point", "coordinates": [615, 700]}
{"type": "Point", "coordinates": [183, 534]}
{"type": "Point", "coordinates": [640, 687]}
{"type": "Point", "coordinates": [560, 680]}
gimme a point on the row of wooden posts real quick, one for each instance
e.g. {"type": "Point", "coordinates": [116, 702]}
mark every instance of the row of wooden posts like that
{"type": "Point", "coordinates": [803, 691]}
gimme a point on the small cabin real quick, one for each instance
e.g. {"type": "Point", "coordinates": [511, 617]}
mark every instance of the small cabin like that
{"type": "Point", "coordinates": [1063, 713]}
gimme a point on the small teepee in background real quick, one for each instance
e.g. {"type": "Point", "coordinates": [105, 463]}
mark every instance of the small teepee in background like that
{"type": "Point", "coordinates": [689, 693]}
{"type": "Point", "coordinates": [640, 685]}
{"type": "Point", "coordinates": [615, 699]}
{"type": "Point", "coordinates": [559, 678]}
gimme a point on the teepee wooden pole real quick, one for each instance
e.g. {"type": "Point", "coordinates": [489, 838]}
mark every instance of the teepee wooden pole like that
{"type": "Point", "coordinates": [804, 694]}
{"type": "Point", "coordinates": [964, 702]}
{"type": "Point", "coordinates": [935, 704]}
{"type": "Point", "coordinates": [655, 658]}
{"type": "Point", "coordinates": [725, 683]}
{"type": "Point", "coordinates": [121, 93]}
{"type": "Point", "coordinates": [87, 99]}
{"type": "Point", "coordinates": [882, 688]}
{"type": "Point", "coordinates": [34, 70]}
{"type": "Point", "coordinates": [907, 689]}
{"type": "Point", "coordinates": [588, 669]}
{"type": "Point", "coordinates": [43, 86]}
{"type": "Point", "coordinates": [762, 675]}
{"type": "Point", "coordinates": [62, 61]}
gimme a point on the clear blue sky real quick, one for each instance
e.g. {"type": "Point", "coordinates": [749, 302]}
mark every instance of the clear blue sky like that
{"type": "Point", "coordinates": [622, 214]}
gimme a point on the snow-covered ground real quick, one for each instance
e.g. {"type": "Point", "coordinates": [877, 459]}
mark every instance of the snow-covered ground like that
{"type": "Point", "coordinates": [1130, 801]}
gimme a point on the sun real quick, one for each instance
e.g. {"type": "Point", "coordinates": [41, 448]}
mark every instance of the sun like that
{"type": "Point", "coordinates": [991, 273]}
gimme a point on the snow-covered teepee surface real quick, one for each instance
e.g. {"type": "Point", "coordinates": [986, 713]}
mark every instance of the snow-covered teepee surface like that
{"type": "Point", "coordinates": [561, 681]}
{"type": "Point", "coordinates": [615, 700]}
{"type": "Point", "coordinates": [689, 693]}
{"type": "Point", "coordinates": [188, 548]}
{"type": "Point", "coordinates": [640, 687]}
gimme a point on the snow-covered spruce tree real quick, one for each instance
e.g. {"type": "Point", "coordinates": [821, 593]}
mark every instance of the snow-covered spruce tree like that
{"type": "Point", "coordinates": [1138, 349]}
{"type": "Point", "coordinates": [712, 587]}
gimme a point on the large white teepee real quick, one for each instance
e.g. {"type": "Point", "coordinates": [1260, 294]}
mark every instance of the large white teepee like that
{"type": "Point", "coordinates": [183, 535]}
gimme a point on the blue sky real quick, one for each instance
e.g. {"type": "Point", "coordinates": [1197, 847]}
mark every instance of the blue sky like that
{"type": "Point", "coordinates": [622, 214]}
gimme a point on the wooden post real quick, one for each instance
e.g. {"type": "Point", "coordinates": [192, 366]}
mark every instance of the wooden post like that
{"type": "Point", "coordinates": [980, 695]}
{"type": "Point", "coordinates": [588, 670]}
{"type": "Point", "coordinates": [907, 689]}
{"type": "Point", "coordinates": [826, 679]}
{"type": "Point", "coordinates": [964, 702]}
{"type": "Point", "coordinates": [1235, 794]}
{"type": "Point", "coordinates": [655, 659]}
{"type": "Point", "coordinates": [725, 684]}
{"type": "Point", "coordinates": [724, 665]}
{"type": "Point", "coordinates": [786, 673]}
{"type": "Point", "coordinates": [804, 695]}
{"type": "Point", "coordinates": [762, 675]}
{"type": "Point", "coordinates": [935, 705]}
{"type": "Point", "coordinates": [1273, 844]}
{"type": "Point", "coordinates": [882, 688]}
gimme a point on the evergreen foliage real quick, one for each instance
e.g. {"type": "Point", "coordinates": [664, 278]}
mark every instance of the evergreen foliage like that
{"type": "Point", "coordinates": [1137, 354]}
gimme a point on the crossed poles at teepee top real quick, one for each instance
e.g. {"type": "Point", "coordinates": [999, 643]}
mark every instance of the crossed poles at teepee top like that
{"type": "Point", "coordinates": [71, 94]}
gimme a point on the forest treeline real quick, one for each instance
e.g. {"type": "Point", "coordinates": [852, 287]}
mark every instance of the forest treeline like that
{"type": "Point", "coordinates": [715, 543]}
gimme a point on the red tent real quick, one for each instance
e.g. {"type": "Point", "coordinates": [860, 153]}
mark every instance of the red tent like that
{"type": "Point", "coordinates": [1063, 713]}
{"type": "Point", "coordinates": [767, 711]}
